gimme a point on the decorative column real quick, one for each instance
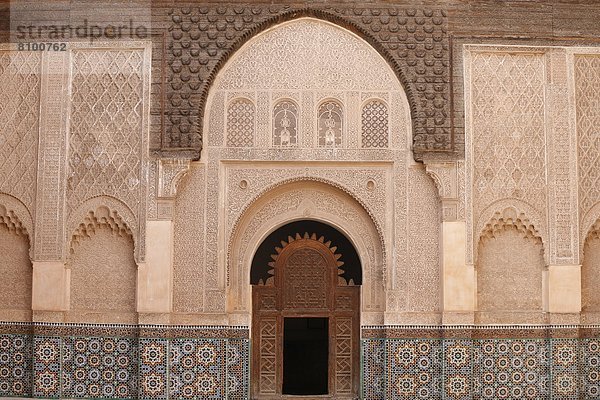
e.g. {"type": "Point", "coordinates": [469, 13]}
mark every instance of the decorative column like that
{"type": "Point", "coordinates": [563, 280]}
{"type": "Point", "coordinates": [51, 279]}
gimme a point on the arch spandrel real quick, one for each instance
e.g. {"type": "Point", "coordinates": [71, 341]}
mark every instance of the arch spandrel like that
{"type": "Point", "coordinates": [301, 201]}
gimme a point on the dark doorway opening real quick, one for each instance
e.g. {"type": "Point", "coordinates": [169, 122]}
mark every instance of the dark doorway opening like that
{"type": "Point", "coordinates": [305, 356]}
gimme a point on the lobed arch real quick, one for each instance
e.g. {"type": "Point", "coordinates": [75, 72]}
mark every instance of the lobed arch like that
{"type": "Point", "coordinates": [15, 215]}
{"type": "Point", "coordinates": [510, 212]}
{"type": "Point", "coordinates": [298, 200]}
{"type": "Point", "coordinates": [100, 210]}
{"type": "Point", "coordinates": [590, 223]}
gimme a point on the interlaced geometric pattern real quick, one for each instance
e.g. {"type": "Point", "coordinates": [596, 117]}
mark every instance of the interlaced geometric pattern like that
{"type": "Point", "coordinates": [507, 96]}
{"type": "Point", "coordinates": [240, 123]}
{"type": "Point", "coordinates": [375, 124]}
{"type": "Point", "coordinates": [330, 124]}
{"type": "Point", "coordinates": [106, 125]}
{"type": "Point", "coordinates": [305, 282]}
{"type": "Point", "coordinates": [268, 356]}
{"type": "Point", "coordinates": [343, 354]}
{"type": "Point", "coordinates": [587, 95]}
{"type": "Point", "coordinates": [19, 129]}
{"type": "Point", "coordinates": [285, 124]}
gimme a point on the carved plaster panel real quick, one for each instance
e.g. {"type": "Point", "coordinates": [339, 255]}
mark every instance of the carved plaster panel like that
{"type": "Point", "coordinates": [520, 143]}
{"type": "Point", "coordinates": [20, 80]}
{"type": "Point", "coordinates": [307, 54]}
{"type": "Point", "coordinates": [446, 179]}
{"type": "Point", "coordinates": [265, 70]}
{"type": "Point", "coordinates": [109, 128]}
{"type": "Point", "coordinates": [422, 65]}
{"type": "Point", "coordinates": [189, 284]}
{"type": "Point", "coordinates": [586, 65]}
{"type": "Point", "coordinates": [50, 197]}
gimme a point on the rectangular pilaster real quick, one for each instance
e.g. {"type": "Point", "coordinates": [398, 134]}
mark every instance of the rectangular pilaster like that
{"type": "Point", "coordinates": [458, 277]}
{"type": "Point", "coordinates": [155, 276]}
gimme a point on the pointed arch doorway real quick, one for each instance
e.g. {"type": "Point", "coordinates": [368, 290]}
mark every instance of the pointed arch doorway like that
{"type": "Point", "coordinates": [306, 280]}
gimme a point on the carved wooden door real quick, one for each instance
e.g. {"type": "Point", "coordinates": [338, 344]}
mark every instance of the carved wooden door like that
{"type": "Point", "coordinates": [304, 282]}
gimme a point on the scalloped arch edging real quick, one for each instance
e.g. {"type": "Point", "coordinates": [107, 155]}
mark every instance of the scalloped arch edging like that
{"type": "Point", "coordinates": [262, 193]}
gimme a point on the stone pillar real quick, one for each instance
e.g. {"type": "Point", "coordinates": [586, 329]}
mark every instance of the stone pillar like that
{"type": "Point", "coordinates": [155, 275]}
{"type": "Point", "coordinates": [458, 278]}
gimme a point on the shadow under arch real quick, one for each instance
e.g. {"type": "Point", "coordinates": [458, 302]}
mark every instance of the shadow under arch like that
{"type": "Point", "coordinates": [259, 270]}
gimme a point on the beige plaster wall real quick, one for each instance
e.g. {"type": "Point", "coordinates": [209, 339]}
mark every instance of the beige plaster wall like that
{"type": "Point", "coordinates": [103, 278]}
{"type": "Point", "coordinates": [15, 276]}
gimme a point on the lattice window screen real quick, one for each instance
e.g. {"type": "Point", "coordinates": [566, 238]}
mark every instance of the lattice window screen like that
{"type": "Point", "coordinates": [375, 124]}
{"type": "Point", "coordinates": [240, 123]}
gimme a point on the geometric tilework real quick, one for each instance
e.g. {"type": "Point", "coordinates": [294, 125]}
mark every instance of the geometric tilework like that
{"type": "Point", "coordinates": [468, 368]}
{"type": "Point", "coordinates": [99, 367]}
{"type": "Point", "coordinates": [415, 369]}
{"type": "Point", "coordinates": [46, 361]}
{"type": "Point", "coordinates": [116, 364]}
{"type": "Point", "coordinates": [590, 368]}
{"type": "Point", "coordinates": [203, 368]}
{"type": "Point", "coordinates": [214, 363]}
{"type": "Point", "coordinates": [238, 369]}
{"type": "Point", "coordinates": [15, 365]}
{"type": "Point", "coordinates": [197, 368]}
{"type": "Point", "coordinates": [458, 369]}
{"type": "Point", "coordinates": [374, 364]}
{"type": "Point", "coordinates": [565, 366]}
{"type": "Point", "coordinates": [153, 368]}
{"type": "Point", "coordinates": [511, 368]}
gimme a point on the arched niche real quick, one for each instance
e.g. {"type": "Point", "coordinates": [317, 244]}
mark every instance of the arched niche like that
{"type": "Point", "coordinates": [590, 276]}
{"type": "Point", "coordinates": [306, 279]}
{"type": "Point", "coordinates": [15, 263]}
{"type": "Point", "coordinates": [103, 270]}
{"type": "Point", "coordinates": [509, 269]}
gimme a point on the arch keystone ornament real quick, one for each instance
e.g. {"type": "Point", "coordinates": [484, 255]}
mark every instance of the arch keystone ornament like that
{"type": "Point", "coordinates": [305, 281]}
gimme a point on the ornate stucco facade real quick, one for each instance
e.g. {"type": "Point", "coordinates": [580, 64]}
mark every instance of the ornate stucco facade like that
{"type": "Point", "coordinates": [443, 159]}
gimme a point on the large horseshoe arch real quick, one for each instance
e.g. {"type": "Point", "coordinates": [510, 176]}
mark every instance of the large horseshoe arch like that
{"type": "Point", "coordinates": [306, 280]}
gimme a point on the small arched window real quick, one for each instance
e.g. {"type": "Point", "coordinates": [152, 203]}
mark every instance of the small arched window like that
{"type": "Point", "coordinates": [285, 124]}
{"type": "Point", "coordinates": [330, 124]}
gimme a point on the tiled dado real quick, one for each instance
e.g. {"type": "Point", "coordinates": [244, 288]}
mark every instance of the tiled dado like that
{"type": "Point", "coordinates": [461, 363]}
{"type": "Point", "coordinates": [156, 362]}
{"type": "Point", "coordinates": [123, 362]}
